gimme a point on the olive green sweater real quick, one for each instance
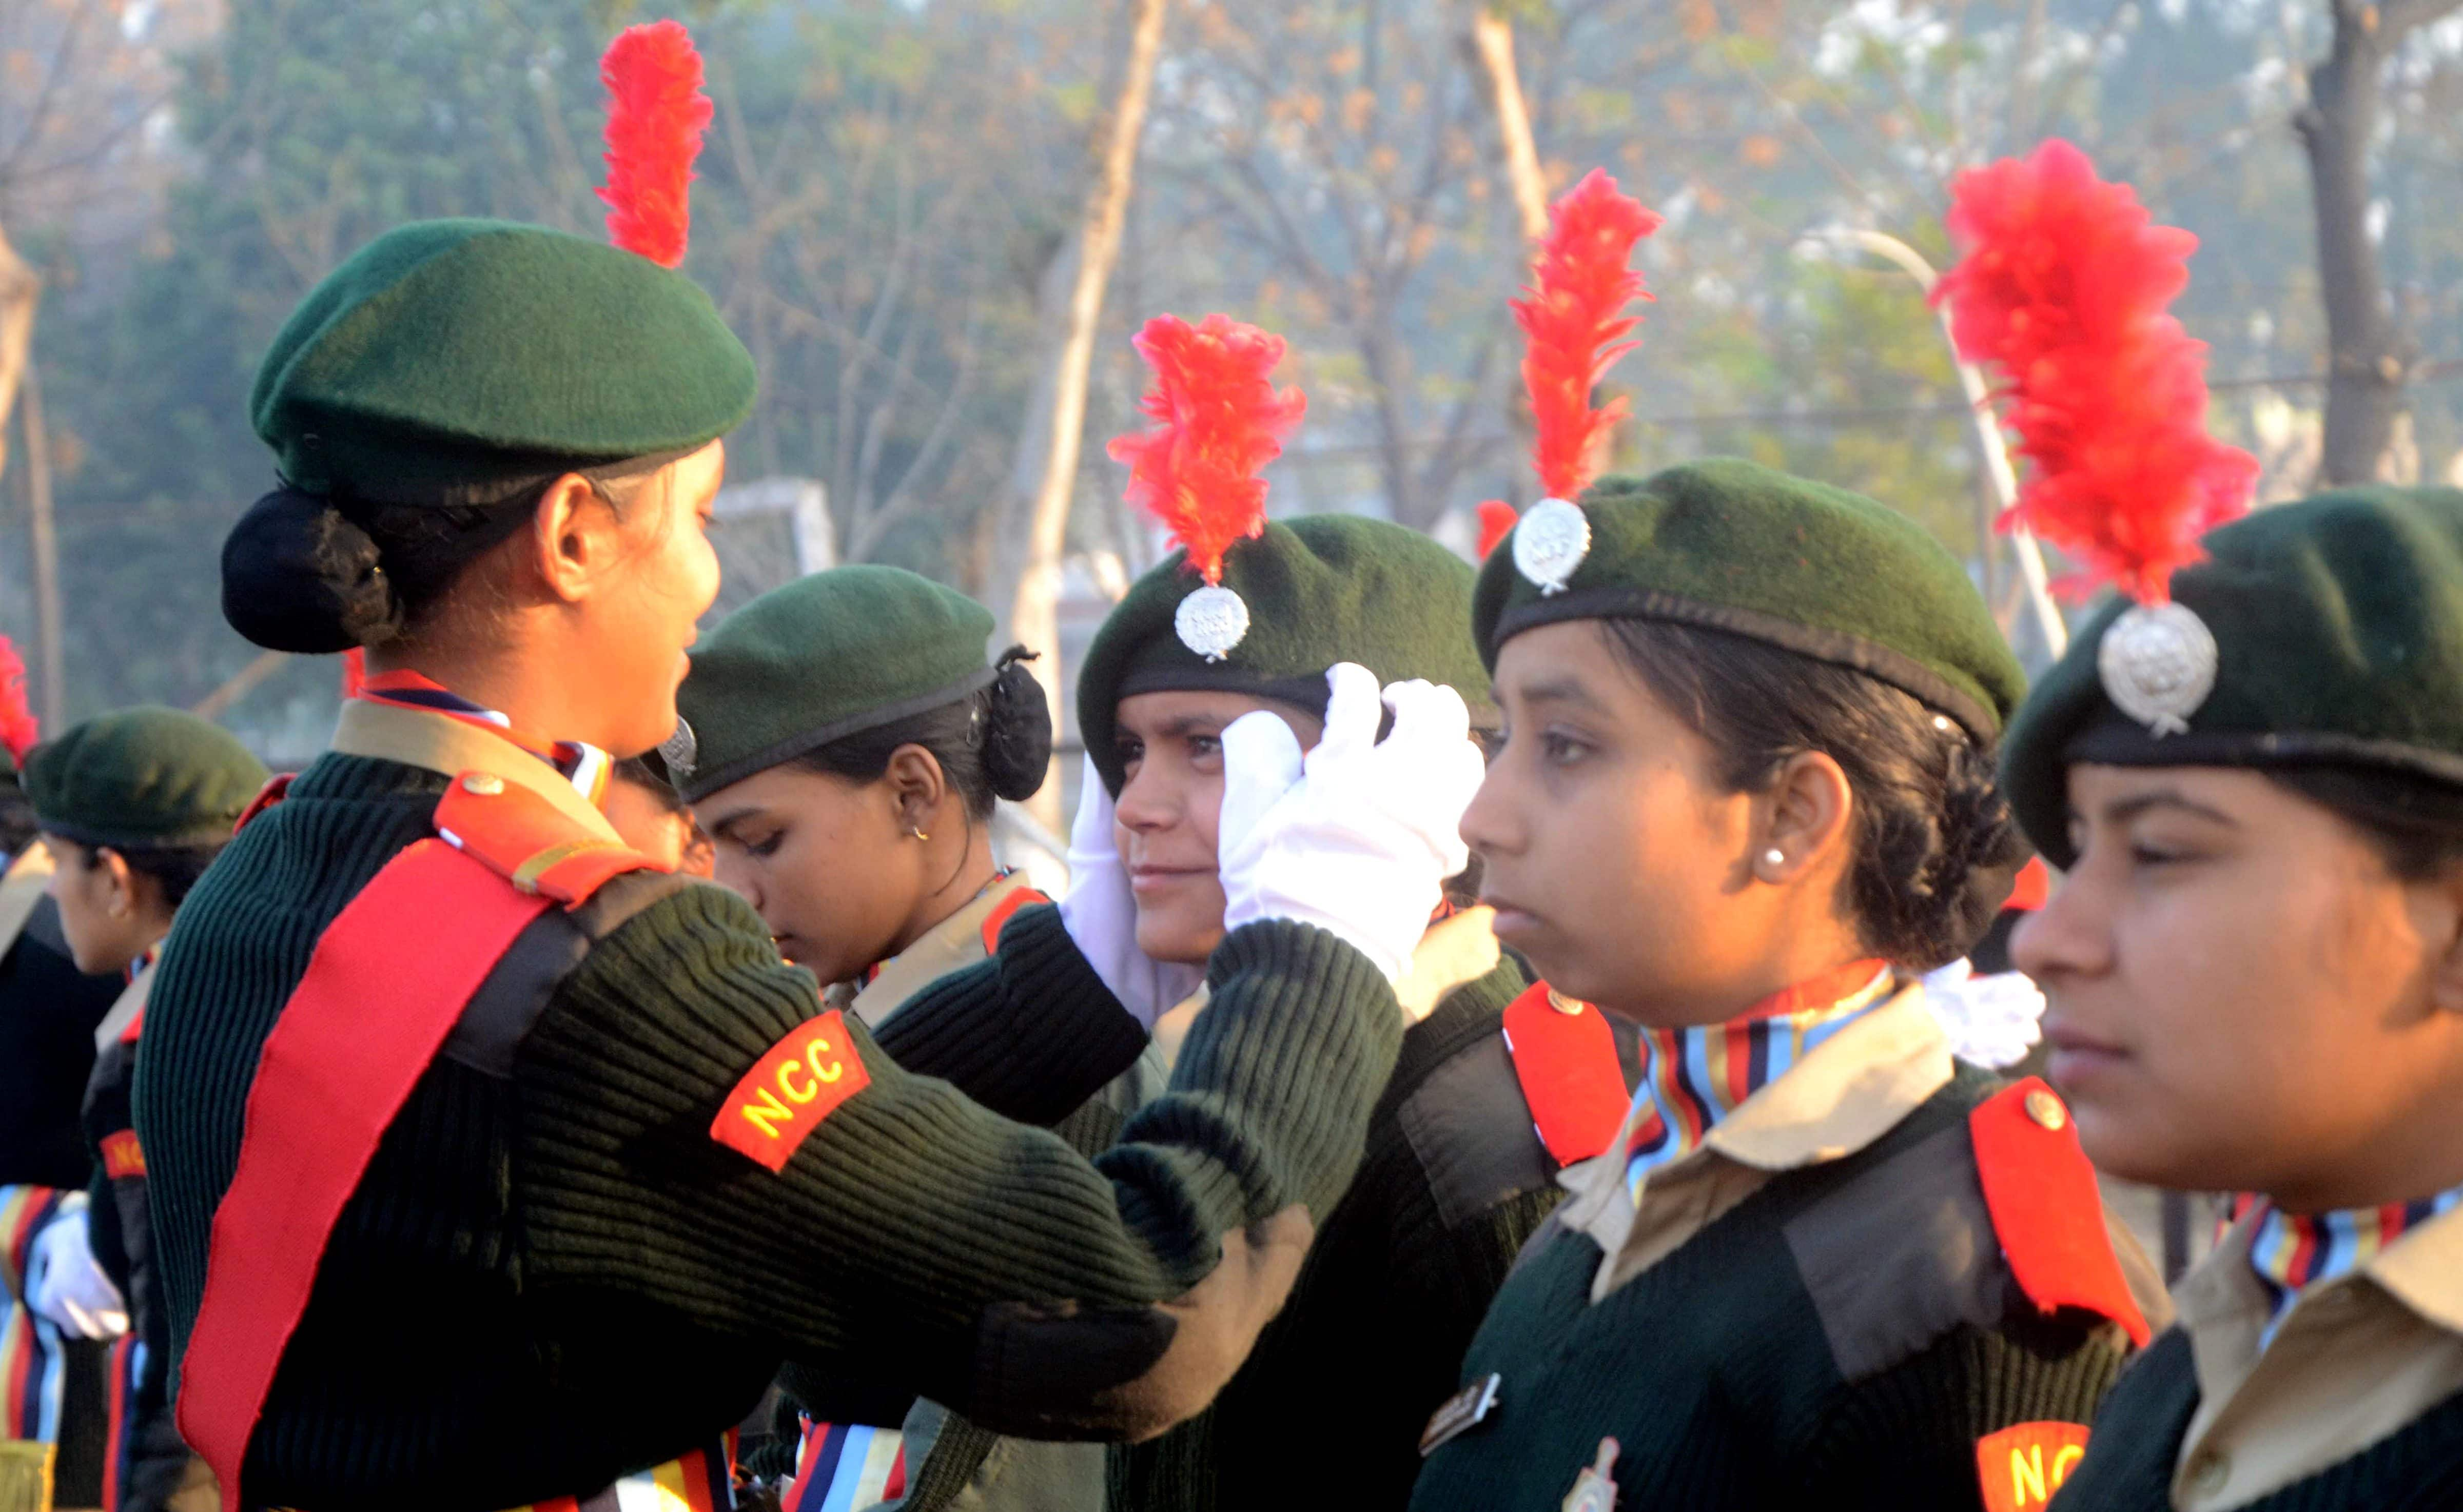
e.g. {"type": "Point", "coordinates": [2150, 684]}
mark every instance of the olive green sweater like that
{"type": "Point", "coordinates": [551, 1275]}
{"type": "Point", "coordinates": [1840, 1339]}
{"type": "Point", "coordinates": [1328, 1410]}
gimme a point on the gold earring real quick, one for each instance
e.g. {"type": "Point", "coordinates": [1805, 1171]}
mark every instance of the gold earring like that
{"type": "Point", "coordinates": [917, 830]}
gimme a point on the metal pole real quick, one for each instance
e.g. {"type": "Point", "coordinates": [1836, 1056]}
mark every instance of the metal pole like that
{"type": "Point", "coordinates": [47, 552]}
{"type": "Point", "coordinates": [1989, 441]}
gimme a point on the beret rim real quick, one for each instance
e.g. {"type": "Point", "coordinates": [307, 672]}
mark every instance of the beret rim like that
{"type": "Point", "coordinates": [2106, 744]}
{"type": "Point", "coordinates": [1305, 690]}
{"type": "Point", "coordinates": [201, 832]}
{"type": "Point", "coordinates": [702, 784]}
{"type": "Point", "coordinates": [1838, 647]}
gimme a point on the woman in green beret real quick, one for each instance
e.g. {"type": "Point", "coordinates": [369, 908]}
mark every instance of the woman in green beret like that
{"type": "Point", "coordinates": [2254, 962]}
{"type": "Point", "coordinates": [133, 805]}
{"type": "Point", "coordinates": [850, 745]}
{"type": "Point", "coordinates": [492, 1165]}
{"type": "Point", "coordinates": [1459, 1173]}
{"type": "Point", "coordinates": [1745, 797]}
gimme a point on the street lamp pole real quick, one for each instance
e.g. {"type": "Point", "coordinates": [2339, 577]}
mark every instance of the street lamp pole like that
{"type": "Point", "coordinates": [1989, 441]}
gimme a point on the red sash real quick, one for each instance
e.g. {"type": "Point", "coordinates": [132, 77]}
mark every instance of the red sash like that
{"type": "Point", "coordinates": [388, 980]}
{"type": "Point", "coordinates": [375, 1005]}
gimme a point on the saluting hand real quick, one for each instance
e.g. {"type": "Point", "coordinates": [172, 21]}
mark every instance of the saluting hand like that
{"type": "Point", "coordinates": [1359, 836]}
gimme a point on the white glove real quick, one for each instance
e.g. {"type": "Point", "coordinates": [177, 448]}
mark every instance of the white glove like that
{"type": "Point", "coordinates": [1359, 836]}
{"type": "Point", "coordinates": [65, 1285]}
{"type": "Point", "coordinates": [1991, 1022]}
{"type": "Point", "coordinates": [1101, 913]}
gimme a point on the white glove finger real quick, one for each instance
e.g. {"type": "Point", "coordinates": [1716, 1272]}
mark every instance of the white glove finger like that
{"type": "Point", "coordinates": [1090, 833]}
{"type": "Point", "coordinates": [1427, 716]}
{"type": "Point", "coordinates": [1353, 711]}
{"type": "Point", "coordinates": [1261, 761]}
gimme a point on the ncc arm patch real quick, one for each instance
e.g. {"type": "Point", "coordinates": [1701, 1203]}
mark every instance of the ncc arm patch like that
{"type": "Point", "coordinates": [784, 1097]}
{"type": "Point", "coordinates": [122, 1155]}
{"type": "Point", "coordinates": [2022, 1465]}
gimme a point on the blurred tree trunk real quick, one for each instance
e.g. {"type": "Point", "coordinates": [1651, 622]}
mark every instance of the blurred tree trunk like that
{"type": "Point", "coordinates": [1034, 610]}
{"type": "Point", "coordinates": [21, 289]}
{"type": "Point", "coordinates": [2370, 355]}
{"type": "Point", "coordinates": [1492, 44]}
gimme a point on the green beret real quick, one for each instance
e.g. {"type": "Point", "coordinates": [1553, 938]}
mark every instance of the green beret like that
{"type": "Point", "coordinates": [1320, 589]}
{"type": "Point", "coordinates": [448, 352]}
{"type": "Point", "coordinates": [819, 659]}
{"type": "Point", "coordinates": [2338, 628]}
{"type": "Point", "coordinates": [1737, 546]}
{"type": "Point", "coordinates": [142, 779]}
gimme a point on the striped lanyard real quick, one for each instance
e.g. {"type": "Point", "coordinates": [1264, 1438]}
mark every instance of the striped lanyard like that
{"type": "Point", "coordinates": [1697, 1075]}
{"type": "Point", "coordinates": [2294, 1251]}
{"type": "Point", "coordinates": [587, 767]}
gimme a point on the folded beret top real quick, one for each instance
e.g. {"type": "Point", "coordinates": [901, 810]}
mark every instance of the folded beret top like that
{"type": "Point", "coordinates": [1320, 589]}
{"type": "Point", "coordinates": [820, 659]}
{"type": "Point", "coordinates": [2338, 628]}
{"type": "Point", "coordinates": [449, 351]}
{"type": "Point", "coordinates": [142, 778]}
{"type": "Point", "coordinates": [1737, 546]}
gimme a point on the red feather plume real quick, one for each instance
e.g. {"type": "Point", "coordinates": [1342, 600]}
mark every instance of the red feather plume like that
{"type": "Point", "coordinates": [1218, 420]}
{"type": "Point", "coordinates": [1497, 519]}
{"type": "Point", "coordinates": [1575, 326]}
{"type": "Point", "coordinates": [656, 113]}
{"type": "Point", "coordinates": [2063, 287]}
{"type": "Point", "coordinates": [19, 729]}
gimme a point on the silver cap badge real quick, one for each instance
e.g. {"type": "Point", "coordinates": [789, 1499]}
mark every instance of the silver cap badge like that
{"type": "Point", "coordinates": [681, 749]}
{"type": "Point", "coordinates": [2158, 665]}
{"type": "Point", "coordinates": [1550, 541]}
{"type": "Point", "coordinates": [1211, 621]}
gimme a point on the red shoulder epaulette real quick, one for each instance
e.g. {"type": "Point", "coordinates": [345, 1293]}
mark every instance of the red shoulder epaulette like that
{"type": "Point", "coordinates": [273, 793]}
{"type": "Point", "coordinates": [1565, 1057]}
{"type": "Point", "coordinates": [525, 840]}
{"type": "Point", "coordinates": [2046, 1209]}
{"type": "Point", "coordinates": [1003, 911]}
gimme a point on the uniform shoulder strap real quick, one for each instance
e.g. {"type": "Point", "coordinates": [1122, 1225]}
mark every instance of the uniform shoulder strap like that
{"type": "Point", "coordinates": [1565, 1057]}
{"type": "Point", "coordinates": [386, 984]}
{"type": "Point", "coordinates": [2046, 1209]}
{"type": "Point", "coordinates": [276, 788]}
{"type": "Point", "coordinates": [1005, 910]}
{"type": "Point", "coordinates": [529, 842]}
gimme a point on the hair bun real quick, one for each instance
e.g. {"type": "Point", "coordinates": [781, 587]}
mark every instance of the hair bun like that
{"type": "Point", "coordinates": [1982, 849]}
{"type": "Point", "coordinates": [298, 576]}
{"type": "Point", "coordinates": [1017, 729]}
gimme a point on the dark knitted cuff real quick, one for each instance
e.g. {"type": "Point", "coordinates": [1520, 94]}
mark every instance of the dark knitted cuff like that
{"type": "Point", "coordinates": [1030, 1034]}
{"type": "Point", "coordinates": [1300, 1021]}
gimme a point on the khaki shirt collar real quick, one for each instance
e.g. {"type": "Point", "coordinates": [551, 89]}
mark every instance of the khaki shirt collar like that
{"type": "Point", "coordinates": [1847, 1092]}
{"type": "Point", "coordinates": [440, 743]}
{"type": "Point", "coordinates": [2353, 1360]}
{"type": "Point", "coordinates": [125, 1008]}
{"type": "Point", "coordinates": [954, 942]}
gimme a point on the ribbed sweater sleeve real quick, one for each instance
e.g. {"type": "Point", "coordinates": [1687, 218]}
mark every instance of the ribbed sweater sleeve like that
{"type": "Point", "coordinates": [1906, 1438]}
{"type": "Point", "coordinates": [910, 1214]}
{"type": "Point", "coordinates": [1031, 1033]}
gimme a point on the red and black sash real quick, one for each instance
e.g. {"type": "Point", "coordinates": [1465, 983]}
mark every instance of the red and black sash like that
{"type": "Point", "coordinates": [388, 980]}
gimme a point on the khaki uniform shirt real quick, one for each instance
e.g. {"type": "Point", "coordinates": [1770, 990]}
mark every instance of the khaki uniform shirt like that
{"type": "Point", "coordinates": [952, 944]}
{"type": "Point", "coordinates": [2355, 1358]}
{"type": "Point", "coordinates": [1848, 1090]}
